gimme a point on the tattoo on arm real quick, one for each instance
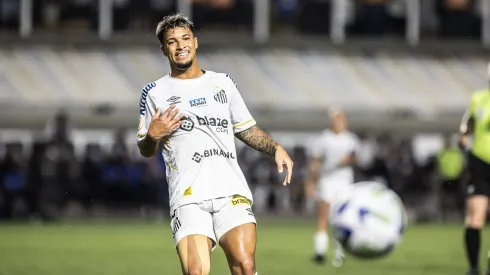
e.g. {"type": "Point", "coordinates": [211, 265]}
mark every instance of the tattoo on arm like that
{"type": "Point", "coordinates": [259, 140]}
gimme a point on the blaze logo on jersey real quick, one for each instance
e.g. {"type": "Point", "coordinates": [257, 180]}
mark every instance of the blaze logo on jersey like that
{"type": "Point", "coordinates": [220, 96]}
{"type": "Point", "coordinates": [220, 124]}
{"type": "Point", "coordinates": [197, 102]}
{"type": "Point", "coordinates": [188, 124]}
{"type": "Point", "coordinates": [197, 157]}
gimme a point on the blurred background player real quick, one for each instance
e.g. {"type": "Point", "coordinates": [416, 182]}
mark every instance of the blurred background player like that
{"type": "Point", "coordinates": [210, 201]}
{"type": "Point", "coordinates": [451, 165]}
{"type": "Point", "coordinates": [475, 136]}
{"type": "Point", "coordinates": [330, 170]}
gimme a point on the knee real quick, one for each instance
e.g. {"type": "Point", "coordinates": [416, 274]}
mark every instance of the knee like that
{"type": "Point", "coordinates": [196, 270]}
{"type": "Point", "coordinates": [475, 220]}
{"type": "Point", "coordinates": [247, 266]}
{"type": "Point", "coordinates": [475, 223]}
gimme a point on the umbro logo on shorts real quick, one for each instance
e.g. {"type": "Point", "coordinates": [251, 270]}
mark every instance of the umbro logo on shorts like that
{"type": "Point", "coordinates": [250, 212]}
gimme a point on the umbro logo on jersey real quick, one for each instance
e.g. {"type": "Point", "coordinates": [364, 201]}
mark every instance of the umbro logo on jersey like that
{"type": "Point", "coordinates": [174, 100]}
{"type": "Point", "coordinates": [220, 96]}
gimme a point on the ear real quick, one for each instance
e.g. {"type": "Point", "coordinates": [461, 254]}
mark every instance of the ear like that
{"type": "Point", "coordinates": [164, 51]}
{"type": "Point", "coordinates": [196, 44]}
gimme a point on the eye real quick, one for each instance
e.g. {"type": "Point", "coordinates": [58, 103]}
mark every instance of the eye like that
{"type": "Point", "coordinates": [170, 43]}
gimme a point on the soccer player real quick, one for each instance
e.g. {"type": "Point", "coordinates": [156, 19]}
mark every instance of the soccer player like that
{"type": "Point", "coordinates": [195, 115]}
{"type": "Point", "coordinates": [476, 123]}
{"type": "Point", "coordinates": [333, 155]}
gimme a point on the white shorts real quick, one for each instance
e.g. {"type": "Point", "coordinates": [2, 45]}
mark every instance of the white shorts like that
{"type": "Point", "coordinates": [333, 190]}
{"type": "Point", "coordinates": [211, 218]}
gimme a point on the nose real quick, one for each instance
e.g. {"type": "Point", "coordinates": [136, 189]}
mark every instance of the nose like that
{"type": "Point", "coordinates": [179, 45]}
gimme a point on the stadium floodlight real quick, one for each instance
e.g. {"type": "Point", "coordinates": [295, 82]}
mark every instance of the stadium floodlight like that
{"type": "Point", "coordinates": [105, 19]}
{"type": "Point", "coordinates": [485, 28]}
{"type": "Point", "coordinates": [412, 32]}
{"type": "Point", "coordinates": [185, 7]}
{"type": "Point", "coordinates": [25, 18]}
{"type": "Point", "coordinates": [261, 20]}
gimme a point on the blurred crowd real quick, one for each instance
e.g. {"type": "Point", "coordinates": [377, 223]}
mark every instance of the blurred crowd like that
{"type": "Point", "coordinates": [41, 183]}
{"type": "Point", "coordinates": [446, 18]}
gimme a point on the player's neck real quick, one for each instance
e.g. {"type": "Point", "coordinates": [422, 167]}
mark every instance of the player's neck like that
{"type": "Point", "coordinates": [338, 131]}
{"type": "Point", "coordinates": [194, 71]}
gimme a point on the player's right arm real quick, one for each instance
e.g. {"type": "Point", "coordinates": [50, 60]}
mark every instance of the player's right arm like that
{"type": "Point", "coordinates": [467, 126]}
{"type": "Point", "coordinates": [155, 126]}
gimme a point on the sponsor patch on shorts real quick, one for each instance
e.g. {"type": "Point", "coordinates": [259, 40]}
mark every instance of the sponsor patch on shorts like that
{"type": "Point", "coordinates": [188, 192]}
{"type": "Point", "coordinates": [237, 199]}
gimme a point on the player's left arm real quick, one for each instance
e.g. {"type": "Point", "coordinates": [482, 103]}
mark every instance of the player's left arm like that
{"type": "Point", "coordinates": [350, 159]}
{"type": "Point", "coordinates": [246, 130]}
{"type": "Point", "coordinates": [259, 140]}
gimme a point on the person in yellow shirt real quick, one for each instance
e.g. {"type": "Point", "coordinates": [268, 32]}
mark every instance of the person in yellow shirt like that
{"type": "Point", "coordinates": [450, 162]}
{"type": "Point", "coordinates": [475, 138]}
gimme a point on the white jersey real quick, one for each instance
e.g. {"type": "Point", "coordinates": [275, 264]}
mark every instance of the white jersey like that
{"type": "Point", "coordinates": [200, 156]}
{"type": "Point", "coordinates": [331, 147]}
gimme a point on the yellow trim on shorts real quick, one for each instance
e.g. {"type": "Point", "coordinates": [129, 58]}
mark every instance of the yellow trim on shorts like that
{"type": "Point", "coordinates": [171, 166]}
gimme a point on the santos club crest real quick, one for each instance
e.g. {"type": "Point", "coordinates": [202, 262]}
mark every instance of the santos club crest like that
{"type": "Point", "coordinates": [220, 95]}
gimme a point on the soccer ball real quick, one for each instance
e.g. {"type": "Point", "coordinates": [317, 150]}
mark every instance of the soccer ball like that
{"type": "Point", "coordinates": [370, 222]}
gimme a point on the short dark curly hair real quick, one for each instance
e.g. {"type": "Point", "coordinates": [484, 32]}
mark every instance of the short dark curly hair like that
{"type": "Point", "coordinates": [173, 21]}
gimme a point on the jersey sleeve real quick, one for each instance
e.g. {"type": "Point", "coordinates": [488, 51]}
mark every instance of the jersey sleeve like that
{"type": "Point", "coordinates": [317, 149]}
{"type": "Point", "coordinates": [472, 106]}
{"type": "Point", "coordinates": [356, 144]}
{"type": "Point", "coordinates": [147, 110]}
{"type": "Point", "coordinates": [241, 118]}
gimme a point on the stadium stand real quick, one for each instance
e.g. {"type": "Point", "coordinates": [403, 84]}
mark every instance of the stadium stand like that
{"type": "Point", "coordinates": [380, 80]}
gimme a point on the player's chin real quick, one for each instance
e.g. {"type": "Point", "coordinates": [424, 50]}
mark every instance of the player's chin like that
{"type": "Point", "coordinates": [183, 65]}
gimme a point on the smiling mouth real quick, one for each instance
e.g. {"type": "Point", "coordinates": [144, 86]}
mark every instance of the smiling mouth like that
{"type": "Point", "coordinates": [182, 55]}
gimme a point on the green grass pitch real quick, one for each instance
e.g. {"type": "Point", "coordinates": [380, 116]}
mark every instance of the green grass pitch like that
{"type": "Point", "coordinates": [284, 248]}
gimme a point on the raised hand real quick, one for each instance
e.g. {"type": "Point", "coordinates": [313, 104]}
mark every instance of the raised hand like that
{"type": "Point", "coordinates": [162, 125]}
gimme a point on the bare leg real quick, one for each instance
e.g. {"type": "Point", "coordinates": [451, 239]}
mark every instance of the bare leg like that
{"type": "Point", "coordinates": [195, 254]}
{"type": "Point", "coordinates": [239, 246]}
{"type": "Point", "coordinates": [476, 212]}
{"type": "Point", "coordinates": [321, 237]}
